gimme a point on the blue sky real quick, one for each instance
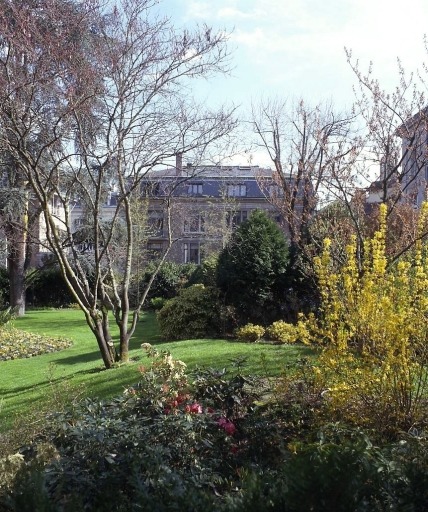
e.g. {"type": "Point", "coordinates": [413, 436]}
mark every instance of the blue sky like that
{"type": "Point", "coordinates": [295, 48]}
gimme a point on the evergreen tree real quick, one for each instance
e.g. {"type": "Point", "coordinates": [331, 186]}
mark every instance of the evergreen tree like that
{"type": "Point", "coordinates": [252, 267]}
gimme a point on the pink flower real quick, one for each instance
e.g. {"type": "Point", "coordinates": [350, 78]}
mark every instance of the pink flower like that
{"type": "Point", "coordinates": [227, 426]}
{"type": "Point", "coordinates": [194, 408]}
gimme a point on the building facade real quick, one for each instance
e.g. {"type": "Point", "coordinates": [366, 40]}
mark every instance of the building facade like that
{"type": "Point", "coordinates": [193, 210]}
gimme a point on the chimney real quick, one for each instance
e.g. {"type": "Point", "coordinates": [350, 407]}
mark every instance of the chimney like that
{"type": "Point", "coordinates": [178, 163]}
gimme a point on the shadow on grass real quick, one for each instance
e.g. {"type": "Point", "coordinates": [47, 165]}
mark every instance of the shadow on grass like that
{"type": "Point", "coordinates": [85, 357]}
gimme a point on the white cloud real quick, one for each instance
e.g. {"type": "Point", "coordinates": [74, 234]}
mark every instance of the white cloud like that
{"type": "Point", "coordinates": [296, 47]}
{"type": "Point", "coordinates": [234, 14]}
{"type": "Point", "coordinates": [198, 10]}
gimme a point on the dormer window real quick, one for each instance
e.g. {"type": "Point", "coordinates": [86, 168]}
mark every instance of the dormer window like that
{"type": "Point", "coordinates": [195, 189]}
{"type": "Point", "coordinates": [276, 191]}
{"type": "Point", "coordinates": [236, 190]}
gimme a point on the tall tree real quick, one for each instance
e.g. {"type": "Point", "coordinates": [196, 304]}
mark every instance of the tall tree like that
{"type": "Point", "coordinates": [251, 269]}
{"type": "Point", "coordinates": [307, 147]}
{"type": "Point", "coordinates": [105, 96]}
{"type": "Point", "coordinates": [32, 43]}
{"type": "Point", "coordinates": [395, 151]}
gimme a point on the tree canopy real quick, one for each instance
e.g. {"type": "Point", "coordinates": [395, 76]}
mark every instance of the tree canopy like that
{"type": "Point", "coordinates": [251, 268]}
{"type": "Point", "coordinates": [92, 97]}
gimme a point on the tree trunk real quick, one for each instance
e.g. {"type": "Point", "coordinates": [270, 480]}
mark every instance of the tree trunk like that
{"type": "Point", "coordinates": [16, 270]}
{"type": "Point", "coordinates": [105, 344]}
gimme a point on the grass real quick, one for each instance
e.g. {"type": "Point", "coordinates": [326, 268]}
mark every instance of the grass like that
{"type": "Point", "coordinates": [33, 385]}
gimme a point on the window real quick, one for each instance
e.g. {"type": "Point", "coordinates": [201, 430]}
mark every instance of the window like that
{"type": "Point", "coordinates": [154, 249]}
{"type": "Point", "coordinates": [237, 218]}
{"type": "Point", "coordinates": [155, 221]}
{"type": "Point", "coordinates": [192, 252]}
{"type": "Point", "coordinates": [77, 223]}
{"type": "Point", "coordinates": [276, 191]}
{"type": "Point", "coordinates": [236, 190]}
{"type": "Point", "coordinates": [111, 198]}
{"type": "Point", "coordinates": [195, 189]}
{"type": "Point", "coordinates": [151, 188]}
{"type": "Point", "coordinates": [194, 223]}
{"type": "Point", "coordinates": [55, 205]}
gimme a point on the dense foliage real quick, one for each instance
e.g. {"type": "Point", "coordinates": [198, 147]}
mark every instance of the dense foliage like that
{"type": "Point", "coordinates": [48, 289]}
{"type": "Point", "coordinates": [4, 286]}
{"type": "Point", "coordinates": [251, 269]}
{"type": "Point", "coordinates": [195, 313]}
{"type": "Point", "coordinates": [214, 444]}
{"type": "Point", "coordinates": [373, 324]}
{"type": "Point", "coordinates": [170, 279]}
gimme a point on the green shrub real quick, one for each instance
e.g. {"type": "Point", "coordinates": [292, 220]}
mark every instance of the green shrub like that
{"type": "Point", "coordinates": [6, 316]}
{"type": "Point", "coordinates": [195, 313]}
{"type": "Point", "coordinates": [250, 332]}
{"type": "Point", "coordinates": [4, 287]}
{"type": "Point", "coordinates": [206, 272]}
{"type": "Point", "coordinates": [251, 269]}
{"type": "Point", "coordinates": [154, 448]}
{"type": "Point", "coordinates": [171, 278]}
{"type": "Point", "coordinates": [157, 303]}
{"type": "Point", "coordinates": [49, 289]}
{"type": "Point", "coordinates": [167, 445]}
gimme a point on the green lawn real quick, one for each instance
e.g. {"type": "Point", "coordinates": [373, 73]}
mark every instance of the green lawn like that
{"type": "Point", "coordinates": [51, 380]}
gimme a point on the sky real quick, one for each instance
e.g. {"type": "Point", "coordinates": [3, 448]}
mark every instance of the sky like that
{"type": "Point", "coordinates": [295, 48]}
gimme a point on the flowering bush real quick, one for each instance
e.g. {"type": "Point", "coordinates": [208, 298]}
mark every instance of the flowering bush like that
{"type": "Point", "coordinates": [250, 332]}
{"type": "Point", "coordinates": [289, 333]}
{"type": "Point", "coordinates": [373, 322]}
{"type": "Point", "coordinates": [198, 452]}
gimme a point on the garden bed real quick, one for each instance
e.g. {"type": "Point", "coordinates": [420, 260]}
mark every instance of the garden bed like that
{"type": "Point", "coordinates": [17, 344]}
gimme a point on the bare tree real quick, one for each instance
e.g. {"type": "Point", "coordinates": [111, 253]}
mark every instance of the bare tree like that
{"type": "Point", "coordinates": [308, 148]}
{"type": "Point", "coordinates": [394, 155]}
{"type": "Point", "coordinates": [102, 118]}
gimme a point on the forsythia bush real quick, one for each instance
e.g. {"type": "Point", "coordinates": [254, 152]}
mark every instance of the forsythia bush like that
{"type": "Point", "coordinates": [289, 333]}
{"type": "Point", "coordinates": [374, 326]}
{"type": "Point", "coordinates": [250, 332]}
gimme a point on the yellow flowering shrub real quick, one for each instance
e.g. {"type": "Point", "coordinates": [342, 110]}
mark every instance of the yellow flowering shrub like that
{"type": "Point", "coordinates": [250, 332]}
{"type": "Point", "coordinates": [289, 333]}
{"type": "Point", "coordinates": [282, 331]}
{"type": "Point", "coordinates": [374, 325]}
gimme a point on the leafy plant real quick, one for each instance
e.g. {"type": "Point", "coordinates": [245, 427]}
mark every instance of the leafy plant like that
{"type": "Point", "coordinates": [170, 280]}
{"type": "Point", "coordinates": [252, 267]}
{"type": "Point", "coordinates": [157, 303]}
{"type": "Point", "coordinates": [6, 316]}
{"type": "Point", "coordinates": [373, 323]}
{"type": "Point", "coordinates": [195, 313]}
{"type": "Point", "coordinates": [16, 344]}
{"type": "Point", "coordinates": [250, 332]}
{"type": "Point", "coordinates": [289, 333]}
